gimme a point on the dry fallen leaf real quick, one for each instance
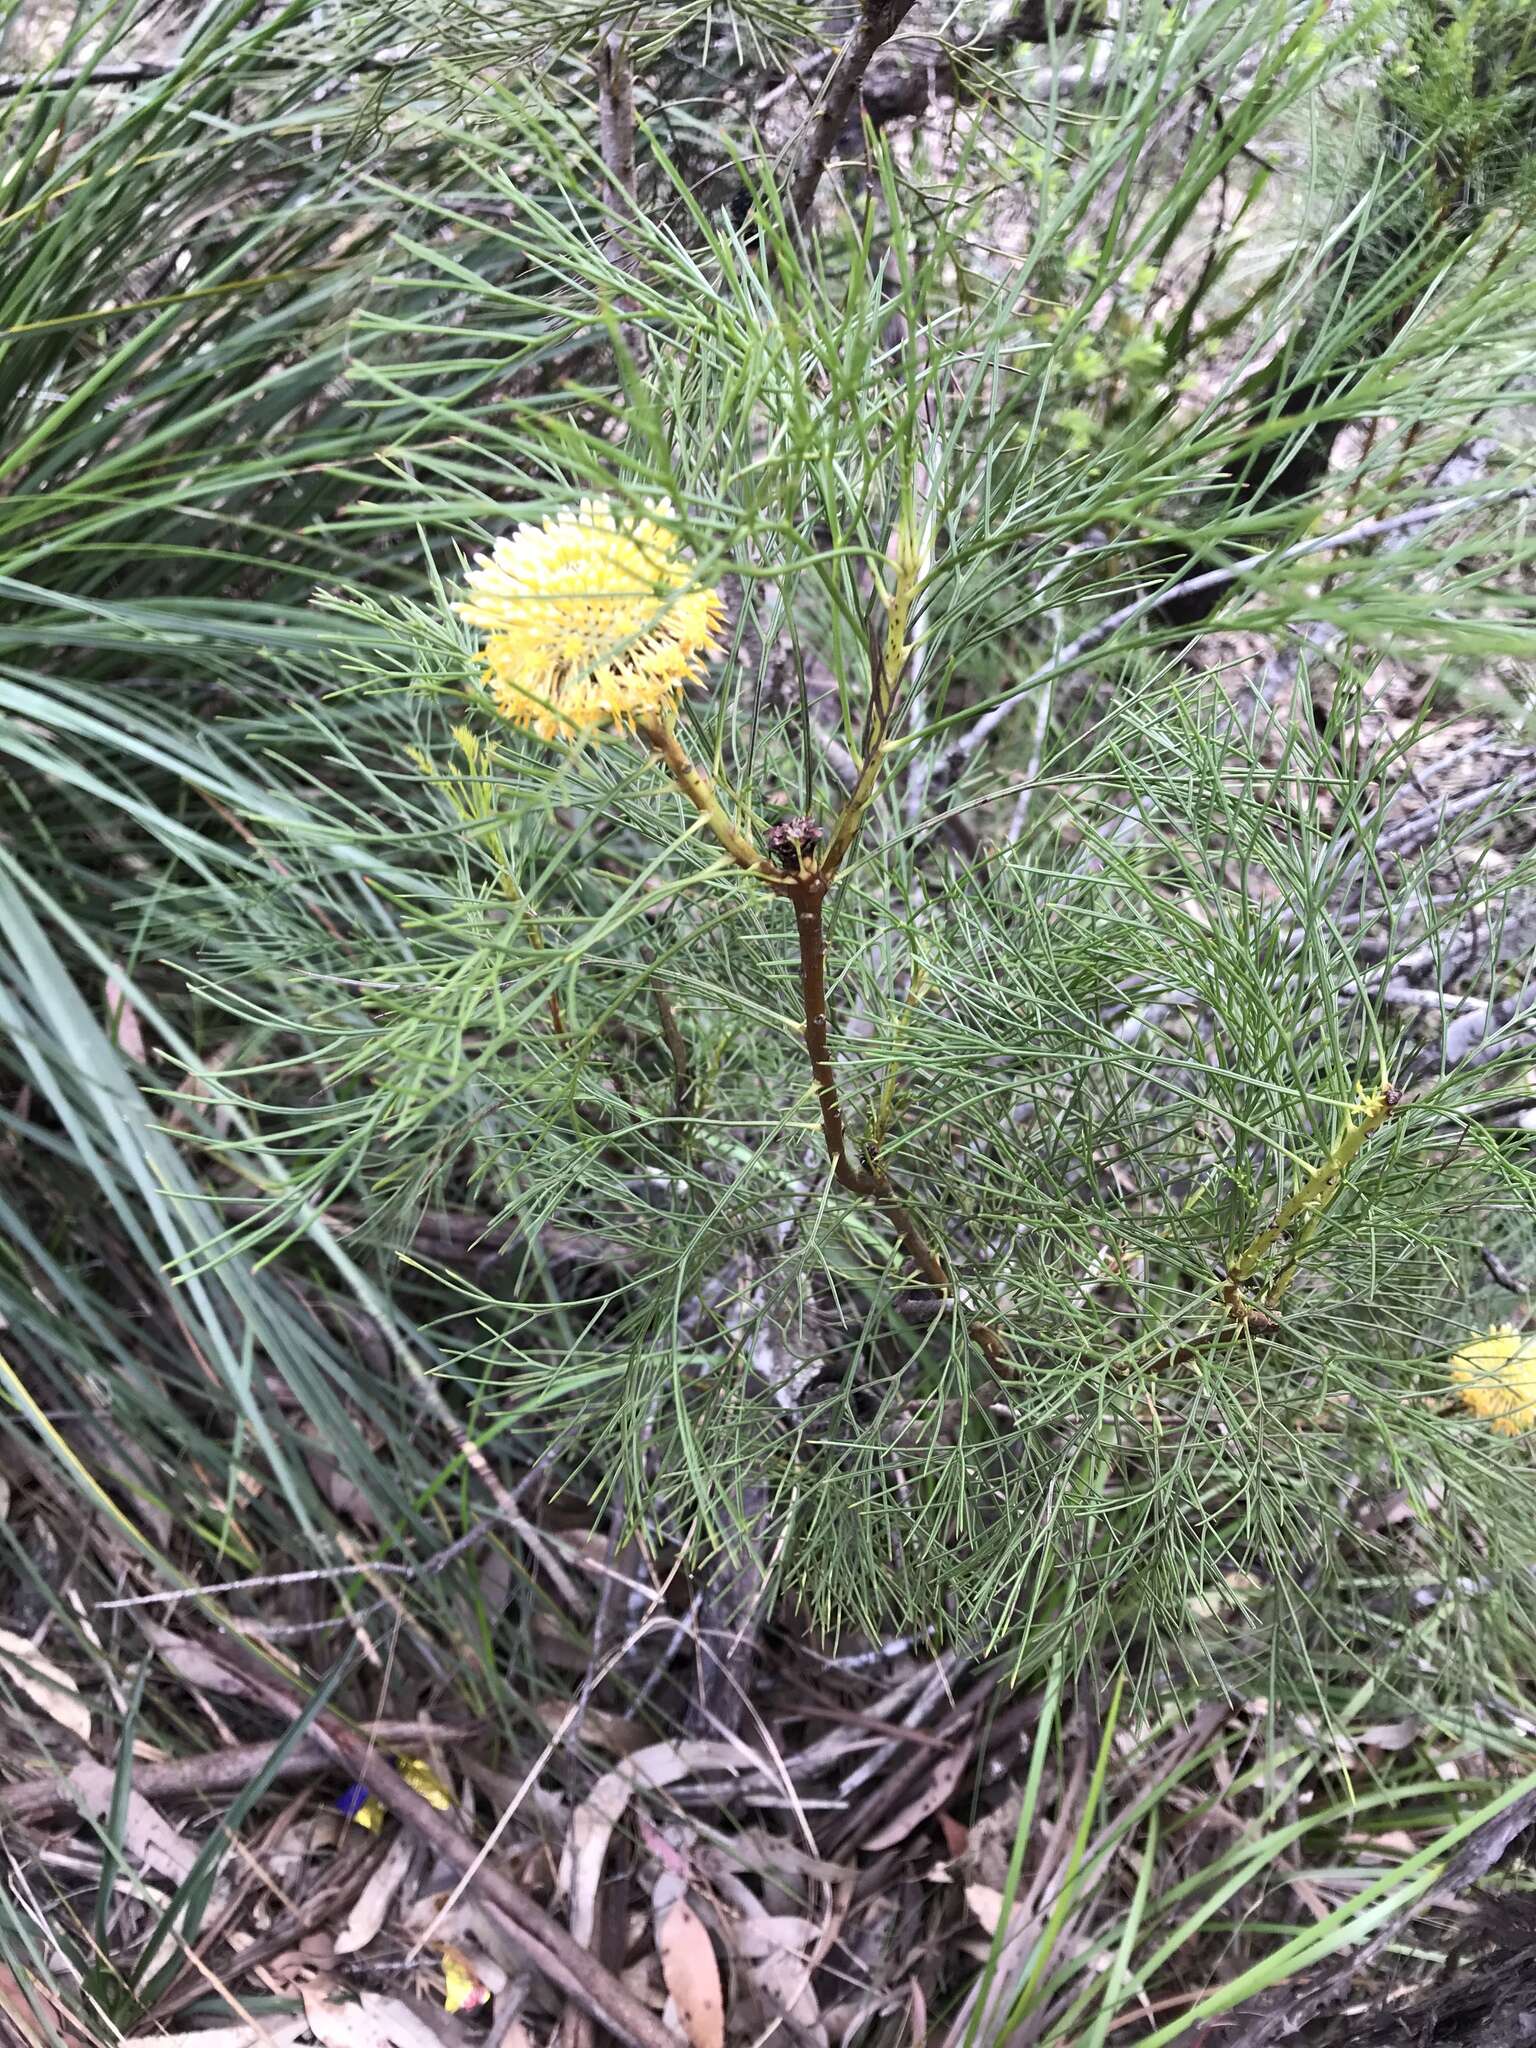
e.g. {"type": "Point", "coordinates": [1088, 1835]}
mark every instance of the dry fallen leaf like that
{"type": "Point", "coordinates": [593, 1822]}
{"type": "Point", "coordinates": [17, 2013]}
{"type": "Point", "coordinates": [197, 1667]}
{"type": "Point", "coordinates": [987, 1904]}
{"type": "Point", "coordinates": [688, 1966]}
{"type": "Point", "coordinates": [599, 1730]}
{"type": "Point", "coordinates": [375, 1898]}
{"type": "Point", "coordinates": [775, 1951]}
{"type": "Point", "coordinates": [44, 1684]}
{"type": "Point", "coordinates": [368, 2021]}
{"type": "Point", "coordinates": [196, 1087]}
{"type": "Point", "coordinates": [767, 1934]}
{"type": "Point", "coordinates": [147, 1835]}
{"type": "Point", "coordinates": [1391, 1734]}
{"type": "Point", "coordinates": [128, 1461]}
{"type": "Point", "coordinates": [772, 1855]}
{"type": "Point", "coordinates": [998, 1983]}
{"type": "Point", "coordinates": [947, 1773]}
{"type": "Point", "coordinates": [344, 1494]}
{"type": "Point", "coordinates": [956, 1837]}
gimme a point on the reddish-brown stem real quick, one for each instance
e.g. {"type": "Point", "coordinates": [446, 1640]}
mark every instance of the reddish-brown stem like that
{"type": "Point", "coordinates": [677, 1052]}
{"type": "Point", "coordinates": [807, 893]}
{"type": "Point", "coordinates": [806, 887]}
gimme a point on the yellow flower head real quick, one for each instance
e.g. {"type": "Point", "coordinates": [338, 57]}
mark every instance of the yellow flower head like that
{"type": "Point", "coordinates": [589, 621]}
{"type": "Point", "coordinates": [1496, 1378]}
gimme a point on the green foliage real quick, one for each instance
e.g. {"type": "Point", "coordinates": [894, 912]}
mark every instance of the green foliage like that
{"type": "Point", "coordinates": [1461, 97]}
{"type": "Point", "coordinates": [1101, 1055]}
{"type": "Point", "coordinates": [1100, 1048]}
{"type": "Point", "coordinates": [288, 329]}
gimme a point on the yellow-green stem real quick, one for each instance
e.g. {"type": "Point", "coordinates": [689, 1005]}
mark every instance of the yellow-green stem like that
{"type": "Point", "coordinates": [888, 660]}
{"type": "Point", "coordinates": [661, 736]}
{"type": "Point", "coordinates": [1315, 1192]}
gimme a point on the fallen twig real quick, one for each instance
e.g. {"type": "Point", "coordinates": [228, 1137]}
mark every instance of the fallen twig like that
{"type": "Point", "coordinates": [549, 1948]}
{"type": "Point", "coordinates": [1415, 833]}
{"type": "Point", "coordinates": [389, 1568]}
{"type": "Point", "coordinates": [219, 1770]}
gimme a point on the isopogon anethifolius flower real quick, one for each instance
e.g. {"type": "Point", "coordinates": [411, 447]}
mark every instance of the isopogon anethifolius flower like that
{"type": "Point", "coordinates": [592, 620]}
{"type": "Point", "coordinates": [1496, 1378]}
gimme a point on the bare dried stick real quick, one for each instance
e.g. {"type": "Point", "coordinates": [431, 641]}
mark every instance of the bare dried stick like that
{"type": "Point", "coordinates": [977, 734]}
{"type": "Point", "coordinates": [878, 21]}
{"type": "Point", "coordinates": [398, 1568]}
{"type": "Point", "coordinates": [616, 133]}
{"type": "Point", "coordinates": [218, 1770]}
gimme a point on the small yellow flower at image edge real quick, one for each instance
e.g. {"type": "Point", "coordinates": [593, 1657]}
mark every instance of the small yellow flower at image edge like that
{"type": "Point", "coordinates": [591, 620]}
{"type": "Point", "coordinates": [1495, 1377]}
